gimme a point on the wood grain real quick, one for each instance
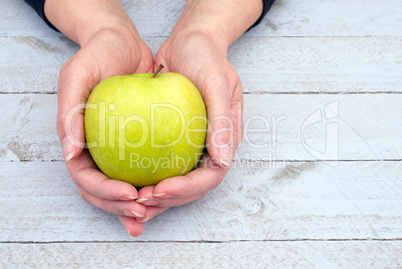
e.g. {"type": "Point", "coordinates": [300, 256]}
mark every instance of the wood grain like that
{"type": "Point", "coordinates": [19, 19]}
{"type": "Point", "coordinates": [331, 18]}
{"type": "Point", "coordinates": [256, 201]}
{"type": "Point", "coordinates": [286, 18]}
{"type": "Point", "coordinates": [272, 65]}
{"type": "Point", "coordinates": [319, 65]}
{"type": "Point", "coordinates": [205, 255]}
{"type": "Point", "coordinates": [324, 80]}
{"type": "Point", "coordinates": [365, 127]}
{"type": "Point", "coordinates": [32, 64]}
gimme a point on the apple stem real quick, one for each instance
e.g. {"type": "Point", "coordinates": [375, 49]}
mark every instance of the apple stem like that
{"type": "Point", "coordinates": [160, 67]}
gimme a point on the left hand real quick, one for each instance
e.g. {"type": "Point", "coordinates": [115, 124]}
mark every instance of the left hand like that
{"type": "Point", "coordinates": [196, 56]}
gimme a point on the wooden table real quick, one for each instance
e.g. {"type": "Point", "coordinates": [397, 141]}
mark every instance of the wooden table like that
{"type": "Point", "coordinates": [317, 182]}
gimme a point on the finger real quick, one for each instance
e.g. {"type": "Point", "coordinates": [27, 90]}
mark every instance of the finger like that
{"type": "Point", "coordinates": [74, 85]}
{"type": "Point", "coordinates": [174, 202]}
{"type": "Point", "coordinates": [207, 176]}
{"type": "Point", "coordinates": [126, 208]}
{"type": "Point", "coordinates": [222, 119]}
{"type": "Point", "coordinates": [147, 198]}
{"type": "Point", "coordinates": [152, 212]}
{"type": "Point", "coordinates": [86, 176]}
{"type": "Point", "coordinates": [133, 227]}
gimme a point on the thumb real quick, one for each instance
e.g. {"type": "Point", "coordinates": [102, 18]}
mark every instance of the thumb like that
{"type": "Point", "coordinates": [73, 91]}
{"type": "Point", "coordinates": [220, 136]}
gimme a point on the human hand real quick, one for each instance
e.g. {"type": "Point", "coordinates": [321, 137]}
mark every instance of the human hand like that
{"type": "Point", "coordinates": [108, 52]}
{"type": "Point", "coordinates": [198, 57]}
{"type": "Point", "coordinates": [110, 45]}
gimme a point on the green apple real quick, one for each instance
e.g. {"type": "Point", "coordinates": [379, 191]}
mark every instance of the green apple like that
{"type": "Point", "coordinates": [143, 128]}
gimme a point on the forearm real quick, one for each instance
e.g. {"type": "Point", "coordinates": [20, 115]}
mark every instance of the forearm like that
{"type": "Point", "coordinates": [223, 20]}
{"type": "Point", "coordinates": [81, 19]}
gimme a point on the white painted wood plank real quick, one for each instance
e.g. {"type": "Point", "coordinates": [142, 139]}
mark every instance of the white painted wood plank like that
{"type": "Point", "coordinates": [323, 127]}
{"type": "Point", "coordinates": [374, 254]}
{"type": "Point", "coordinates": [256, 201]}
{"type": "Point", "coordinates": [19, 19]}
{"type": "Point", "coordinates": [332, 18]}
{"type": "Point", "coordinates": [318, 65]}
{"type": "Point", "coordinates": [29, 128]}
{"type": "Point", "coordinates": [32, 64]}
{"type": "Point", "coordinates": [365, 127]}
{"type": "Point", "coordinates": [286, 18]}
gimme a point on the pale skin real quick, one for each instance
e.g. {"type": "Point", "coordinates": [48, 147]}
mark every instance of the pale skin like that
{"type": "Point", "coordinates": [110, 45]}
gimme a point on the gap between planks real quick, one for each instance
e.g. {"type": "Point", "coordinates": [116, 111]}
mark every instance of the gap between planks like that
{"type": "Point", "coordinates": [202, 242]}
{"type": "Point", "coordinates": [247, 92]}
{"type": "Point", "coordinates": [244, 159]}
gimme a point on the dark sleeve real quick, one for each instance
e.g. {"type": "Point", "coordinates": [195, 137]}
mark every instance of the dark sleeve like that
{"type": "Point", "coordinates": [267, 6]}
{"type": "Point", "coordinates": [38, 5]}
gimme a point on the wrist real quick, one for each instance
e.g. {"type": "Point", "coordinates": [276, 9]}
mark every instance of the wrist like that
{"type": "Point", "coordinates": [81, 20]}
{"type": "Point", "coordinates": [222, 20]}
{"type": "Point", "coordinates": [190, 33]}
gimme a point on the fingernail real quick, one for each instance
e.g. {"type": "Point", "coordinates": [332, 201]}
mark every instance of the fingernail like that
{"type": "Point", "coordinates": [131, 197]}
{"type": "Point", "coordinates": [225, 154]}
{"type": "Point", "coordinates": [68, 148]}
{"type": "Point", "coordinates": [130, 234]}
{"type": "Point", "coordinates": [137, 214]}
{"type": "Point", "coordinates": [144, 220]}
{"type": "Point", "coordinates": [141, 200]}
{"type": "Point", "coordinates": [159, 195]}
{"type": "Point", "coordinates": [70, 156]}
{"type": "Point", "coordinates": [163, 195]}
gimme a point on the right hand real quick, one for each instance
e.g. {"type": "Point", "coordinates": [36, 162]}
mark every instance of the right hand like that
{"type": "Point", "coordinates": [106, 53]}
